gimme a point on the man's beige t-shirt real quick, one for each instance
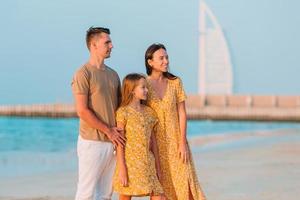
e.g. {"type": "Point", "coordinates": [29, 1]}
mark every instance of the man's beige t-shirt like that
{"type": "Point", "coordinates": [102, 87]}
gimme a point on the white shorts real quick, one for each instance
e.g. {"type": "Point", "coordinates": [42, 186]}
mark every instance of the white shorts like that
{"type": "Point", "coordinates": [96, 166]}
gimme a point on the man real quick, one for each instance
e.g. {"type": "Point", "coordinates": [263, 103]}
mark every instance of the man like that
{"type": "Point", "coordinates": [96, 89]}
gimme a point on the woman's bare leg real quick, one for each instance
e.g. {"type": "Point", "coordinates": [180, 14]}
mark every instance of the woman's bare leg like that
{"type": "Point", "coordinates": [190, 194]}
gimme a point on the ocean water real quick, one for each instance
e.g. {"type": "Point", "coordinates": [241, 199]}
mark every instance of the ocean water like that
{"type": "Point", "coordinates": [30, 146]}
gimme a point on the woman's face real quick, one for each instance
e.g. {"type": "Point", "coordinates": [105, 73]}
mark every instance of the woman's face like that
{"type": "Point", "coordinates": [159, 61]}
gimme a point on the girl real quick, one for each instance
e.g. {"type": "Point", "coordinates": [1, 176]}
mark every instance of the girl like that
{"type": "Point", "coordinates": [167, 98]}
{"type": "Point", "coordinates": [138, 169]}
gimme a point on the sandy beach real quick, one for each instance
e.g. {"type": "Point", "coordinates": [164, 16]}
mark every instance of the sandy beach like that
{"type": "Point", "coordinates": [261, 165]}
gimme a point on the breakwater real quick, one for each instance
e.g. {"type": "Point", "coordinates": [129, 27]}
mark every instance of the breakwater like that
{"type": "Point", "coordinates": [244, 107]}
{"type": "Point", "coordinates": [39, 110]}
{"type": "Point", "coordinates": [214, 107]}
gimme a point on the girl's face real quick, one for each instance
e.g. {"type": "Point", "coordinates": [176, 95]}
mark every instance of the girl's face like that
{"type": "Point", "coordinates": [140, 91]}
{"type": "Point", "coordinates": [159, 61]}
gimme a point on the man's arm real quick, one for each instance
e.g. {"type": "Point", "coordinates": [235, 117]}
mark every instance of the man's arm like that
{"type": "Point", "coordinates": [84, 113]}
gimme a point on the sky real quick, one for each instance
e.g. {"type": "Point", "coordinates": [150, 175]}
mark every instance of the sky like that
{"type": "Point", "coordinates": [43, 43]}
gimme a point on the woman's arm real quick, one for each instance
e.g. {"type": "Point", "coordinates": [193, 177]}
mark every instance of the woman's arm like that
{"type": "Point", "coordinates": [123, 177]}
{"type": "Point", "coordinates": [183, 148]}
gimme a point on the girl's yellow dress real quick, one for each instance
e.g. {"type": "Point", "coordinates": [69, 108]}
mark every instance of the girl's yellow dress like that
{"type": "Point", "coordinates": [140, 162]}
{"type": "Point", "coordinates": [177, 177]}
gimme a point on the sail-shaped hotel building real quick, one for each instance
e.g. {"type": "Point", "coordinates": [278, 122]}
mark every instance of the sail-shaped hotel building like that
{"type": "Point", "coordinates": [215, 69]}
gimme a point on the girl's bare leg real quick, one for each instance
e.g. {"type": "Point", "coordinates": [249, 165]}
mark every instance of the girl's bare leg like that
{"type": "Point", "coordinates": [124, 197]}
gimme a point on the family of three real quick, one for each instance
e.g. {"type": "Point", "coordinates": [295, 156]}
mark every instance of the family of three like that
{"type": "Point", "coordinates": [144, 122]}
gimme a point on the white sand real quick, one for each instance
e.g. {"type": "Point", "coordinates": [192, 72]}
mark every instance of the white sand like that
{"type": "Point", "coordinates": [259, 165]}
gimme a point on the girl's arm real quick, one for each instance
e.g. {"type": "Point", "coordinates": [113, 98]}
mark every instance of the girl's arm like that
{"type": "Point", "coordinates": [183, 148]}
{"type": "Point", "coordinates": [154, 149]}
{"type": "Point", "coordinates": [123, 177]}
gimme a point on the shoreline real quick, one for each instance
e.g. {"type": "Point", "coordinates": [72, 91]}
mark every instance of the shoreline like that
{"type": "Point", "coordinates": [250, 165]}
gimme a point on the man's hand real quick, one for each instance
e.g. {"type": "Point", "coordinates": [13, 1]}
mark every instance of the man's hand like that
{"type": "Point", "coordinates": [116, 135]}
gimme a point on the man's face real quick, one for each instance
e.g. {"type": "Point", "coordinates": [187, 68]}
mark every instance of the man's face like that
{"type": "Point", "coordinates": [103, 45]}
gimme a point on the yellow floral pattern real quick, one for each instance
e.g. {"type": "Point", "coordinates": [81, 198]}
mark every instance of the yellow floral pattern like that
{"type": "Point", "coordinates": [140, 161]}
{"type": "Point", "coordinates": [177, 177]}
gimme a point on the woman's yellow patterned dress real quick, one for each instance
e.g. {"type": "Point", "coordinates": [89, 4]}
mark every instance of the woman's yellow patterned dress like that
{"type": "Point", "coordinates": [177, 177]}
{"type": "Point", "coordinates": [140, 162]}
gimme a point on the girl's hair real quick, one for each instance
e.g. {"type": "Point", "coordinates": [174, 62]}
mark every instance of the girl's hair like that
{"type": "Point", "coordinates": [149, 55]}
{"type": "Point", "coordinates": [129, 83]}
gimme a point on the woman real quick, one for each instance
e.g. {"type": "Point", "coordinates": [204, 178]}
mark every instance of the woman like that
{"type": "Point", "coordinates": [166, 96]}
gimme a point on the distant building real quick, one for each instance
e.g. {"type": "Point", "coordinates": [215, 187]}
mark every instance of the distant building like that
{"type": "Point", "coordinates": [215, 68]}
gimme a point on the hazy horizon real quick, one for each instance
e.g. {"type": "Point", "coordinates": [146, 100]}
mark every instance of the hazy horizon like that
{"type": "Point", "coordinates": [42, 43]}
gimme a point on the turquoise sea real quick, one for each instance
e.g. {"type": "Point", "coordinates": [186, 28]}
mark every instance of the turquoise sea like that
{"type": "Point", "coordinates": [29, 146]}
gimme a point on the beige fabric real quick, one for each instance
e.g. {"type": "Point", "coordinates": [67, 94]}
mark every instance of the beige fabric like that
{"type": "Point", "coordinates": [102, 86]}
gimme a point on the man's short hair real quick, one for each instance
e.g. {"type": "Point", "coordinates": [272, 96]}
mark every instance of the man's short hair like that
{"type": "Point", "coordinates": [94, 31]}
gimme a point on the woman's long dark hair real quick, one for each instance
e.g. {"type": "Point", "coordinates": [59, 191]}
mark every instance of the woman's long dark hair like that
{"type": "Point", "coordinates": [149, 55]}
